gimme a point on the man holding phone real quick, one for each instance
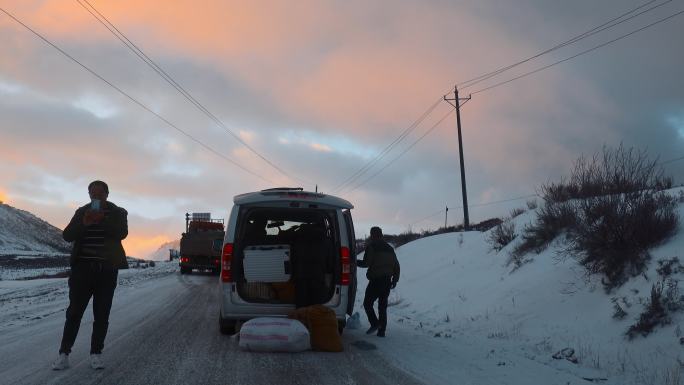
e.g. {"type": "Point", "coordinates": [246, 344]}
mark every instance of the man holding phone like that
{"type": "Point", "coordinates": [96, 231]}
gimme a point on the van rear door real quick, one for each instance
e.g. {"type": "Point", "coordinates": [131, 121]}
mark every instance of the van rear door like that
{"type": "Point", "coordinates": [351, 238]}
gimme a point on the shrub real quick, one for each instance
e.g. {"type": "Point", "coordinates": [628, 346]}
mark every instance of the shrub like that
{"type": "Point", "coordinates": [501, 235]}
{"type": "Point", "coordinates": [673, 301]}
{"type": "Point", "coordinates": [486, 224]}
{"type": "Point", "coordinates": [517, 260]}
{"type": "Point", "coordinates": [613, 171]}
{"type": "Point", "coordinates": [532, 204]}
{"type": "Point", "coordinates": [613, 233]}
{"type": "Point", "coordinates": [667, 267]}
{"type": "Point", "coordinates": [409, 235]}
{"type": "Point", "coordinates": [404, 238]}
{"type": "Point", "coordinates": [517, 212]}
{"type": "Point", "coordinates": [612, 211]}
{"type": "Point", "coordinates": [658, 309]}
{"type": "Point", "coordinates": [618, 311]}
{"type": "Point", "coordinates": [552, 219]}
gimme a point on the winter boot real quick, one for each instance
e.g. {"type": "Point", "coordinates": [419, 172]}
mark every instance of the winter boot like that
{"type": "Point", "coordinates": [96, 361]}
{"type": "Point", "coordinates": [62, 362]}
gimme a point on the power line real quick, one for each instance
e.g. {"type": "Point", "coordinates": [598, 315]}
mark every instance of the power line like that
{"type": "Point", "coordinates": [428, 217]}
{"type": "Point", "coordinates": [403, 152]}
{"type": "Point", "coordinates": [132, 98]}
{"type": "Point", "coordinates": [670, 161]}
{"type": "Point", "coordinates": [388, 148]}
{"type": "Point", "coordinates": [169, 79]}
{"type": "Point", "coordinates": [516, 198]}
{"type": "Point", "coordinates": [537, 195]}
{"type": "Point", "coordinates": [591, 32]}
{"type": "Point", "coordinates": [577, 38]}
{"type": "Point", "coordinates": [600, 28]}
{"type": "Point", "coordinates": [475, 205]}
{"type": "Point", "coordinates": [607, 25]}
{"type": "Point", "coordinates": [497, 202]}
{"type": "Point", "coordinates": [579, 54]}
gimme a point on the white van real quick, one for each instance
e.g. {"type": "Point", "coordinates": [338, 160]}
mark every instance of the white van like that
{"type": "Point", "coordinates": [266, 237]}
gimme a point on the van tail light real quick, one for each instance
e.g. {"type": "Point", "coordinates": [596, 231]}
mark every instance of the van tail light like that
{"type": "Point", "coordinates": [185, 259]}
{"type": "Point", "coordinates": [226, 259]}
{"type": "Point", "coordinates": [346, 266]}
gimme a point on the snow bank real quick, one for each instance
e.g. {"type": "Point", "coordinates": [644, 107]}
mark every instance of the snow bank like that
{"type": "Point", "coordinates": [24, 302]}
{"type": "Point", "coordinates": [455, 289]}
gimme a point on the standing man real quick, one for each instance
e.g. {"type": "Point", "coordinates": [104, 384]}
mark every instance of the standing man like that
{"type": "Point", "coordinates": [96, 231]}
{"type": "Point", "coordinates": [311, 262]}
{"type": "Point", "coordinates": [383, 275]}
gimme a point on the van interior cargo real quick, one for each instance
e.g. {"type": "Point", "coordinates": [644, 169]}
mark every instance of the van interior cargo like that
{"type": "Point", "coordinates": [279, 247]}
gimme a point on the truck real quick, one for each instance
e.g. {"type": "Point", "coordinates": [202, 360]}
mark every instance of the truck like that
{"type": "Point", "coordinates": [201, 243]}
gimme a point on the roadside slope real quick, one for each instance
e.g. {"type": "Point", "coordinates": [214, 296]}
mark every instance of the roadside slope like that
{"type": "Point", "coordinates": [455, 289]}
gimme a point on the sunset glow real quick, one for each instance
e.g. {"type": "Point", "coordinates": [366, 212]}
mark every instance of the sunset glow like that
{"type": "Point", "coordinates": [136, 245]}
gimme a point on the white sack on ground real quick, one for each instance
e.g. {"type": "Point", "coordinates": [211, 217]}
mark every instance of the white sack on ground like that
{"type": "Point", "coordinates": [268, 334]}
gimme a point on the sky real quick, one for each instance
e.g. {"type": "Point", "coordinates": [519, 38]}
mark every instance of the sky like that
{"type": "Point", "coordinates": [319, 89]}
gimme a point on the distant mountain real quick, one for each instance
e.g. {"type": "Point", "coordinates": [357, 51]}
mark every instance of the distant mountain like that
{"type": "Point", "coordinates": [162, 254]}
{"type": "Point", "coordinates": [22, 233]}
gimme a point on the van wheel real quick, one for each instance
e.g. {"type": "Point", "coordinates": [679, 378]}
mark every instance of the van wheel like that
{"type": "Point", "coordinates": [341, 325]}
{"type": "Point", "coordinates": [226, 326]}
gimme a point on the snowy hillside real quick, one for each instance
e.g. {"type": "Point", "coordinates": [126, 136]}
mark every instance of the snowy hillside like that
{"type": "Point", "coordinates": [25, 234]}
{"type": "Point", "coordinates": [503, 326]}
{"type": "Point", "coordinates": [162, 253]}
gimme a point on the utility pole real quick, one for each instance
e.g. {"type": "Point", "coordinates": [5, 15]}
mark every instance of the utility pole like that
{"type": "Point", "coordinates": [457, 104]}
{"type": "Point", "coordinates": [446, 214]}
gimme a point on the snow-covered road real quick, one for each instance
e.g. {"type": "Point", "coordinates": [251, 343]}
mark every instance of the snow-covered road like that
{"type": "Point", "coordinates": [164, 331]}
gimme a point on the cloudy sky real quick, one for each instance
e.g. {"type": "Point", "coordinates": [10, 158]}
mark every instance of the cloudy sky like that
{"type": "Point", "coordinates": [319, 89]}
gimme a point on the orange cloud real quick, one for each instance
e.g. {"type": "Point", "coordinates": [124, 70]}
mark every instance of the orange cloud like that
{"type": "Point", "coordinates": [140, 246]}
{"type": "Point", "coordinates": [4, 198]}
{"type": "Point", "coordinates": [320, 147]}
{"type": "Point", "coordinates": [378, 72]}
{"type": "Point", "coordinates": [227, 27]}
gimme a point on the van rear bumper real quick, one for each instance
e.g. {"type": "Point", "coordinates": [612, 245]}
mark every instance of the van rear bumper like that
{"type": "Point", "coordinates": [235, 308]}
{"type": "Point", "coordinates": [199, 266]}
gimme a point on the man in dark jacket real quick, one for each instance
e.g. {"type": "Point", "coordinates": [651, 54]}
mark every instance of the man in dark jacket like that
{"type": "Point", "coordinates": [96, 231]}
{"type": "Point", "coordinates": [383, 275]}
{"type": "Point", "coordinates": [312, 260]}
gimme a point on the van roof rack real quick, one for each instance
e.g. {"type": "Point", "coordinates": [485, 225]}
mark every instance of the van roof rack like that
{"type": "Point", "coordinates": [284, 189]}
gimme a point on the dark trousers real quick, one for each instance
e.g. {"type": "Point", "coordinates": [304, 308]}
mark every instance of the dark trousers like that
{"type": "Point", "coordinates": [89, 279]}
{"type": "Point", "coordinates": [377, 289]}
{"type": "Point", "coordinates": [309, 291]}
